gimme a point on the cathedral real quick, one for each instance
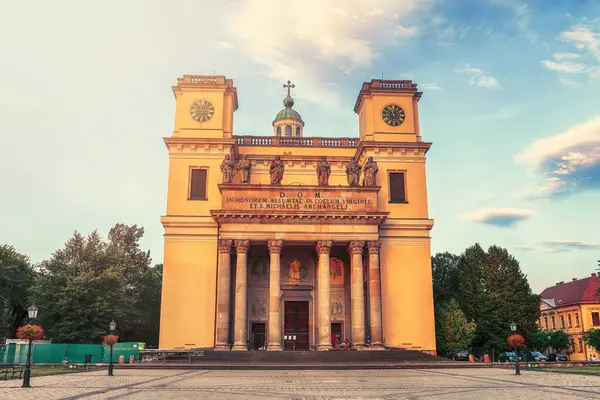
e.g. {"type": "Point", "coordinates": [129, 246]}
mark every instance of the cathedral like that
{"type": "Point", "coordinates": [293, 242]}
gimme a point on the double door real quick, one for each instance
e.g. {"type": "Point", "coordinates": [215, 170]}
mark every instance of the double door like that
{"type": "Point", "coordinates": [295, 333]}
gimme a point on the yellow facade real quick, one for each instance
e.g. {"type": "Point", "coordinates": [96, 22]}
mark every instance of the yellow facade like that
{"type": "Point", "coordinates": [572, 307]}
{"type": "Point", "coordinates": [231, 265]}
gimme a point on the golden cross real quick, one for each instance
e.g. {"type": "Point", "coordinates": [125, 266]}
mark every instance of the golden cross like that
{"type": "Point", "coordinates": [288, 86]}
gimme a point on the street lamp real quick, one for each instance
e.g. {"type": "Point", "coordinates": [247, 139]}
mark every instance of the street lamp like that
{"type": "Point", "coordinates": [32, 313]}
{"type": "Point", "coordinates": [513, 328]}
{"type": "Point", "coordinates": [113, 326]}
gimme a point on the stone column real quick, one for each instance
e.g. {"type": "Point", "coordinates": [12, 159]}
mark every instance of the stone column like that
{"type": "Point", "coordinates": [274, 343]}
{"type": "Point", "coordinates": [375, 294]}
{"type": "Point", "coordinates": [240, 335]}
{"type": "Point", "coordinates": [224, 278]}
{"type": "Point", "coordinates": [324, 295]}
{"type": "Point", "coordinates": [357, 293]}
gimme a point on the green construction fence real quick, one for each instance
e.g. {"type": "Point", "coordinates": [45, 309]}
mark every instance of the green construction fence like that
{"type": "Point", "coordinates": [57, 353]}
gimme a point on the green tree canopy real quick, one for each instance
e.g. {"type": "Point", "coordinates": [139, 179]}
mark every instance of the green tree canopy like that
{"type": "Point", "coordinates": [491, 290]}
{"type": "Point", "coordinates": [592, 338]}
{"type": "Point", "coordinates": [559, 340]}
{"type": "Point", "coordinates": [90, 282]}
{"type": "Point", "coordinates": [16, 278]}
{"type": "Point", "coordinates": [458, 332]}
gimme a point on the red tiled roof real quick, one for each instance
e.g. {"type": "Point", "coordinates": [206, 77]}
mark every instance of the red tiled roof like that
{"type": "Point", "coordinates": [578, 291]}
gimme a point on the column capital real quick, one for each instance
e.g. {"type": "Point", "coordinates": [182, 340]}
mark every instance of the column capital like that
{"type": "Point", "coordinates": [356, 247]}
{"type": "Point", "coordinates": [324, 246]}
{"type": "Point", "coordinates": [275, 246]}
{"type": "Point", "coordinates": [225, 245]}
{"type": "Point", "coordinates": [242, 246]}
{"type": "Point", "coordinates": [374, 246]}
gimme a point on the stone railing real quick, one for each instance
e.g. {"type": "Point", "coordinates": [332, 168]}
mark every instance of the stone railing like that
{"type": "Point", "coordinates": [281, 141]}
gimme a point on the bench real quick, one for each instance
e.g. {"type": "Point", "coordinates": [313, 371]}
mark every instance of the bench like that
{"type": "Point", "coordinates": [13, 371]}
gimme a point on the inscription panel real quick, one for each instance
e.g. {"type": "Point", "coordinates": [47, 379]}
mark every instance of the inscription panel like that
{"type": "Point", "coordinates": [298, 198]}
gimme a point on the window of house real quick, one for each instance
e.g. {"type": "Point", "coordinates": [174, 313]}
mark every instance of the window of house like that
{"type": "Point", "coordinates": [577, 319]}
{"type": "Point", "coordinates": [580, 345]}
{"type": "Point", "coordinates": [596, 319]}
{"type": "Point", "coordinates": [553, 322]}
{"type": "Point", "coordinates": [570, 321]}
{"type": "Point", "coordinates": [198, 184]}
{"type": "Point", "coordinates": [562, 321]}
{"type": "Point", "coordinates": [278, 131]}
{"type": "Point", "coordinates": [298, 131]}
{"type": "Point", "coordinates": [546, 322]}
{"type": "Point", "coordinates": [397, 187]}
{"type": "Point", "coordinates": [288, 130]}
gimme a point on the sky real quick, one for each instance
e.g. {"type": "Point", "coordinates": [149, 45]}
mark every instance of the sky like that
{"type": "Point", "coordinates": [511, 104]}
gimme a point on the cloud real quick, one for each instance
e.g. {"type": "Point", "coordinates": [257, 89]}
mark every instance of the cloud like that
{"type": "Point", "coordinates": [478, 77]}
{"type": "Point", "coordinates": [557, 246]}
{"type": "Point", "coordinates": [312, 40]}
{"type": "Point", "coordinates": [226, 45]}
{"type": "Point", "coordinates": [565, 56]}
{"type": "Point", "coordinates": [568, 162]}
{"type": "Point", "coordinates": [587, 42]}
{"type": "Point", "coordinates": [500, 217]}
{"type": "Point", "coordinates": [500, 114]}
{"type": "Point", "coordinates": [430, 86]}
{"type": "Point", "coordinates": [522, 17]}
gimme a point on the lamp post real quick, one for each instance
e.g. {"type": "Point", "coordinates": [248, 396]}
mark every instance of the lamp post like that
{"type": "Point", "coordinates": [513, 328]}
{"type": "Point", "coordinates": [113, 326]}
{"type": "Point", "coordinates": [32, 314]}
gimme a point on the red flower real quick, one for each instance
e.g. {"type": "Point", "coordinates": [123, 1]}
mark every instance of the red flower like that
{"type": "Point", "coordinates": [516, 340]}
{"type": "Point", "coordinates": [110, 340]}
{"type": "Point", "coordinates": [30, 332]}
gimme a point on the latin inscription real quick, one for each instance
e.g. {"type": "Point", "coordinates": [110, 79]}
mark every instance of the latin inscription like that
{"type": "Point", "coordinates": [300, 201]}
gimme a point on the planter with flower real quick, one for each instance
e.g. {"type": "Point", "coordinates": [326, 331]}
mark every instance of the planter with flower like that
{"type": "Point", "coordinates": [30, 332]}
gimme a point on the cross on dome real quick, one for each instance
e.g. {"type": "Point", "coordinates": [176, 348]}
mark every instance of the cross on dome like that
{"type": "Point", "coordinates": [289, 86]}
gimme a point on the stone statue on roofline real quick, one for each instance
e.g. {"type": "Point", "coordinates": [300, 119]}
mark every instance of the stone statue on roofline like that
{"type": "Point", "coordinates": [353, 172]}
{"type": "Point", "coordinates": [370, 172]}
{"type": "Point", "coordinates": [276, 171]}
{"type": "Point", "coordinates": [227, 167]}
{"type": "Point", "coordinates": [323, 171]}
{"type": "Point", "coordinates": [245, 166]}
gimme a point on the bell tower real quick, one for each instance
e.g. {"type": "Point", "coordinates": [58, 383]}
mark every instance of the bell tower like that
{"type": "Point", "coordinates": [204, 106]}
{"type": "Point", "coordinates": [388, 111]}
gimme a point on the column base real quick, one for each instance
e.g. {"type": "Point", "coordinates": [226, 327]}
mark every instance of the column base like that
{"type": "Point", "coordinates": [324, 347]}
{"type": "Point", "coordinates": [239, 347]}
{"type": "Point", "coordinates": [376, 347]}
{"type": "Point", "coordinates": [222, 347]}
{"type": "Point", "coordinates": [358, 346]}
{"type": "Point", "coordinates": [274, 347]}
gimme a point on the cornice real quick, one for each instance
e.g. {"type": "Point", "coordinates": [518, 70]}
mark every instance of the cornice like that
{"type": "Point", "coordinates": [257, 217]}
{"type": "Point", "coordinates": [246, 186]}
{"type": "Point", "coordinates": [416, 148]}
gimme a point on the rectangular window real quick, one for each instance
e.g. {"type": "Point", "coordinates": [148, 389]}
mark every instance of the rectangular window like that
{"type": "Point", "coordinates": [570, 321]}
{"type": "Point", "coordinates": [580, 345]}
{"type": "Point", "coordinates": [596, 319]}
{"type": "Point", "coordinates": [562, 322]}
{"type": "Point", "coordinates": [553, 323]}
{"type": "Point", "coordinates": [397, 187]}
{"type": "Point", "coordinates": [546, 322]}
{"type": "Point", "coordinates": [577, 320]}
{"type": "Point", "coordinates": [198, 184]}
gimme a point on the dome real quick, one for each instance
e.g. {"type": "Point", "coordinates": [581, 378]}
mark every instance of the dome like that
{"type": "Point", "coordinates": [289, 112]}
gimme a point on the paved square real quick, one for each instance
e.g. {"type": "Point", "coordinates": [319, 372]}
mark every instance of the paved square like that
{"type": "Point", "coordinates": [445, 384]}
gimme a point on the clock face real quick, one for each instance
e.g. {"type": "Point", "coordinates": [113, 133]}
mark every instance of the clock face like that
{"type": "Point", "coordinates": [393, 115]}
{"type": "Point", "coordinates": [202, 110]}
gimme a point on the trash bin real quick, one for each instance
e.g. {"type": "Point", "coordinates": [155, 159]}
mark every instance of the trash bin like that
{"type": "Point", "coordinates": [88, 358]}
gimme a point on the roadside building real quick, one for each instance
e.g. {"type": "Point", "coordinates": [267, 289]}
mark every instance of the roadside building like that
{"type": "Point", "coordinates": [572, 307]}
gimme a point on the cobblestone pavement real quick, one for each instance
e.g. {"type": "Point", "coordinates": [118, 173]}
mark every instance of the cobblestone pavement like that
{"type": "Point", "coordinates": [447, 384]}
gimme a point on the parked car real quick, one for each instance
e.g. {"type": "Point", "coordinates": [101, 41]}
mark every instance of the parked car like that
{"type": "Point", "coordinates": [509, 356]}
{"type": "Point", "coordinates": [458, 355]}
{"type": "Point", "coordinates": [557, 357]}
{"type": "Point", "coordinates": [537, 356]}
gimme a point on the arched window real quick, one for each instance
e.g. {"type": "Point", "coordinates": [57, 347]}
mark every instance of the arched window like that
{"type": "Point", "coordinates": [278, 131]}
{"type": "Point", "coordinates": [298, 131]}
{"type": "Point", "coordinates": [288, 130]}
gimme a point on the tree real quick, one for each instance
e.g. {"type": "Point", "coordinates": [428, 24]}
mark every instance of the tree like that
{"type": "Point", "coordinates": [592, 338]}
{"type": "Point", "coordinates": [458, 333]}
{"type": "Point", "coordinates": [559, 340]}
{"type": "Point", "coordinates": [493, 291]}
{"type": "Point", "coordinates": [538, 340]}
{"type": "Point", "coordinates": [16, 278]}
{"type": "Point", "coordinates": [444, 267]}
